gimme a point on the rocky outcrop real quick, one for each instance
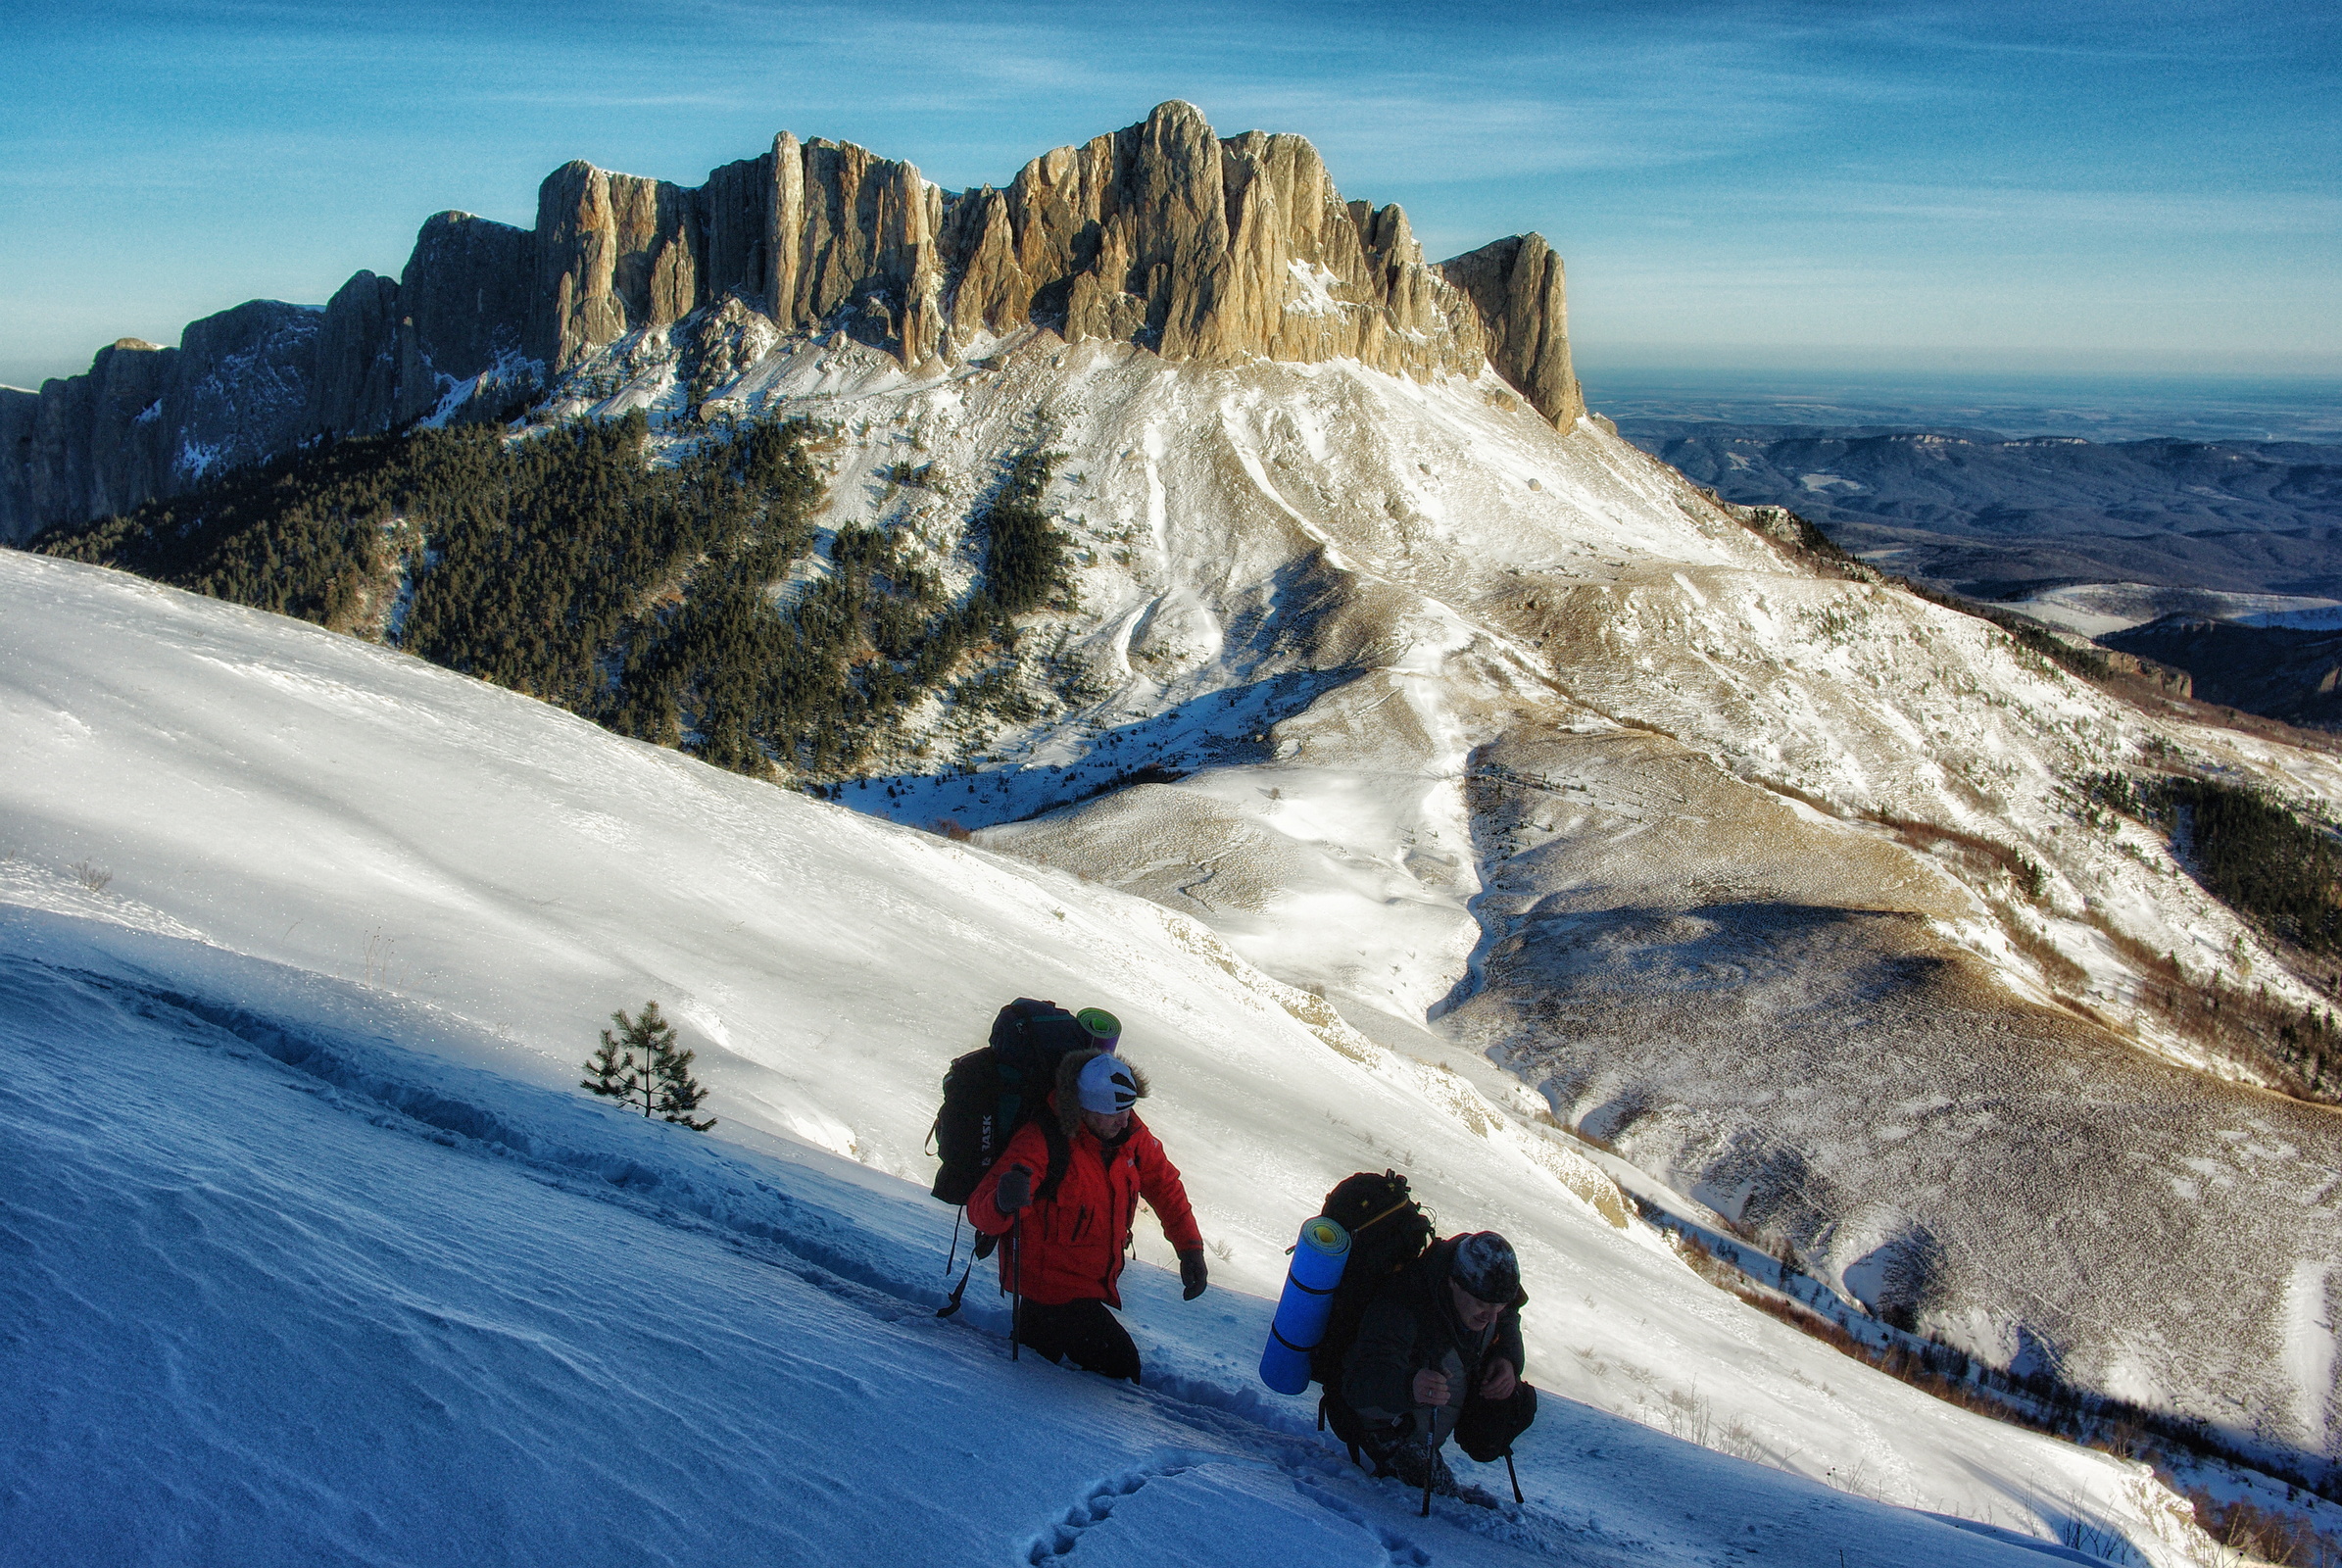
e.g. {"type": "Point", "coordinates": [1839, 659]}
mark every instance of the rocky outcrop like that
{"type": "Point", "coordinates": [354, 387]}
{"type": "Point", "coordinates": [240, 389]}
{"type": "Point", "coordinates": [1515, 285]}
{"type": "Point", "coordinates": [146, 422]}
{"type": "Point", "coordinates": [249, 383]}
{"type": "Point", "coordinates": [824, 233]}
{"type": "Point", "coordinates": [463, 307]}
{"type": "Point", "coordinates": [96, 440]}
{"type": "Point", "coordinates": [1161, 234]}
{"type": "Point", "coordinates": [20, 413]}
{"type": "Point", "coordinates": [1198, 248]}
{"type": "Point", "coordinates": [614, 252]}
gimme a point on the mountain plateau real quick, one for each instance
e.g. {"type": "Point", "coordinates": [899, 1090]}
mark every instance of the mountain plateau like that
{"type": "Point", "coordinates": [1160, 233]}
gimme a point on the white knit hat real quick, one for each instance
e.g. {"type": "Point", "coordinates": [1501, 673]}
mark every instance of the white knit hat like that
{"type": "Point", "coordinates": [1106, 1086]}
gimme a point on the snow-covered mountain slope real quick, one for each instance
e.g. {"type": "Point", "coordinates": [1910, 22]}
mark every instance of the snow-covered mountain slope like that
{"type": "Point", "coordinates": [315, 1254]}
{"type": "Point", "coordinates": [1506, 739]}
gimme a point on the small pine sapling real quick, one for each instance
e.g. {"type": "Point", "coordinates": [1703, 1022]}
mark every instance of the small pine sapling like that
{"type": "Point", "coordinates": [680, 1094]}
{"type": "Point", "coordinates": [644, 1041]}
{"type": "Point", "coordinates": [641, 1058]}
{"type": "Point", "coordinates": [611, 1071]}
{"type": "Point", "coordinates": [653, 1035]}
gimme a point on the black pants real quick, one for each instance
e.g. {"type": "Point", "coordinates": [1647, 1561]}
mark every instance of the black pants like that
{"type": "Point", "coordinates": [1485, 1429]}
{"type": "Point", "coordinates": [1084, 1331]}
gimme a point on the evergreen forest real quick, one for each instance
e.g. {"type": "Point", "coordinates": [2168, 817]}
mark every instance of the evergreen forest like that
{"type": "Point", "coordinates": [680, 602]}
{"type": "Point", "coordinates": [2250, 850]}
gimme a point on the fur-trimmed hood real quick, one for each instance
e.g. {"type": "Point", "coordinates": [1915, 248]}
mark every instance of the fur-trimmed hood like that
{"type": "Point", "coordinates": [1068, 1097]}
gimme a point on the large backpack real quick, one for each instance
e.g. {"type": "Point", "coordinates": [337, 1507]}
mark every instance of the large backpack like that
{"type": "Point", "coordinates": [987, 1095]}
{"type": "Point", "coordinates": [1388, 1231]}
{"type": "Point", "coordinates": [991, 1093]}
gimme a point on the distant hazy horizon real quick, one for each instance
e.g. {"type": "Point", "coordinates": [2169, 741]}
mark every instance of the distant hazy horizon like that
{"type": "Point", "coordinates": [2101, 407]}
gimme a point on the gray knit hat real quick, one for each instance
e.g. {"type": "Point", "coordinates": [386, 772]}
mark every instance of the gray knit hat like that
{"type": "Point", "coordinates": [1485, 1267]}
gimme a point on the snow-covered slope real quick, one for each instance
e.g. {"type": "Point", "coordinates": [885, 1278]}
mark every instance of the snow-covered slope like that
{"type": "Point", "coordinates": [1510, 744]}
{"type": "Point", "coordinates": [315, 1254]}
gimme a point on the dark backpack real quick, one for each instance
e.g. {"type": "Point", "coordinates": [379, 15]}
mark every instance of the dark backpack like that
{"type": "Point", "coordinates": [1388, 1231]}
{"type": "Point", "coordinates": [991, 1093]}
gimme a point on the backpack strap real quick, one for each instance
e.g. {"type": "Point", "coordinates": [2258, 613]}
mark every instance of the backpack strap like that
{"type": "Point", "coordinates": [1004, 1112]}
{"type": "Point", "coordinates": [1383, 1215]}
{"type": "Point", "coordinates": [1060, 1150]}
{"type": "Point", "coordinates": [976, 1254]}
{"type": "Point", "coordinates": [957, 1291]}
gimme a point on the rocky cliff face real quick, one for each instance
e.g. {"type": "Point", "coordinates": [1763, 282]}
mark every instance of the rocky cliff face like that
{"type": "Point", "coordinates": [147, 420]}
{"type": "Point", "coordinates": [260, 380]}
{"type": "Point", "coordinates": [1205, 249]}
{"type": "Point", "coordinates": [614, 252]}
{"type": "Point", "coordinates": [463, 306]}
{"type": "Point", "coordinates": [1515, 287]}
{"type": "Point", "coordinates": [1161, 234]}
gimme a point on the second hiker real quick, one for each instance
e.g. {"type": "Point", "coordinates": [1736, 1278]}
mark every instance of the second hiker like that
{"type": "Point", "coordinates": [1064, 1194]}
{"type": "Point", "coordinates": [1438, 1354]}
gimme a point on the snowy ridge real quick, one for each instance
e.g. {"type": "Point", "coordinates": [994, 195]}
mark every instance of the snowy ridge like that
{"type": "Point", "coordinates": [414, 898]}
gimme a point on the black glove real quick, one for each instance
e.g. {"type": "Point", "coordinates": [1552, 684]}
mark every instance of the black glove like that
{"type": "Point", "coordinates": [1013, 1191]}
{"type": "Point", "coordinates": [1191, 1274]}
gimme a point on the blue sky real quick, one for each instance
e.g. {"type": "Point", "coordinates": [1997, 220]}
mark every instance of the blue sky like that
{"type": "Point", "coordinates": [1982, 187]}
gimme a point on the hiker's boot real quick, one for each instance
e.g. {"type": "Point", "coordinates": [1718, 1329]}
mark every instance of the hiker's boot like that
{"type": "Point", "coordinates": [1406, 1461]}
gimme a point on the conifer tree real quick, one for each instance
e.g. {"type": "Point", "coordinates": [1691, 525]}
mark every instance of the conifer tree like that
{"type": "Point", "coordinates": [611, 1071]}
{"type": "Point", "coordinates": [639, 1043]}
{"type": "Point", "coordinates": [655, 1038]}
{"type": "Point", "coordinates": [680, 1094]}
{"type": "Point", "coordinates": [641, 1058]}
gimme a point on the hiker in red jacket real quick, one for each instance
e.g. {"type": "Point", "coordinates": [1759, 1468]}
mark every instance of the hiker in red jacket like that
{"type": "Point", "coordinates": [1065, 1241]}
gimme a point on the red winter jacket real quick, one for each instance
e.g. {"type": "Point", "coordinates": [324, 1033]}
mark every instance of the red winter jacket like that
{"type": "Point", "coordinates": [1073, 1244]}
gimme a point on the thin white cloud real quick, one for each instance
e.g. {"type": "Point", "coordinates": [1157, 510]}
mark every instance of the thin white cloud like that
{"type": "Point", "coordinates": [2160, 213]}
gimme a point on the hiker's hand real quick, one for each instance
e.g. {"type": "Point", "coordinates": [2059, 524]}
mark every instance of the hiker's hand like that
{"type": "Point", "coordinates": [1193, 1274]}
{"type": "Point", "coordinates": [1430, 1388]}
{"type": "Point", "coordinates": [1013, 1191]}
{"type": "Point", "coordinates": [1500, 1381]}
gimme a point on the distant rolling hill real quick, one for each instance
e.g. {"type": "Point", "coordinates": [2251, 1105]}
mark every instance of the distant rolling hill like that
{"type": "Point", "coordinates": [1999, 517]}
{"type": "Point", "coordinates": [2280, 671]}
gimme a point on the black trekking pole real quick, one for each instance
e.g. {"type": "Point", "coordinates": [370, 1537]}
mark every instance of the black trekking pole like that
{"type": "Point", "coordinates": [1518, 1495]}
{"type": "Point", "coordinates": [1015, 1281]}
{"type": "Point", "coordinates": [1430, 1420]}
